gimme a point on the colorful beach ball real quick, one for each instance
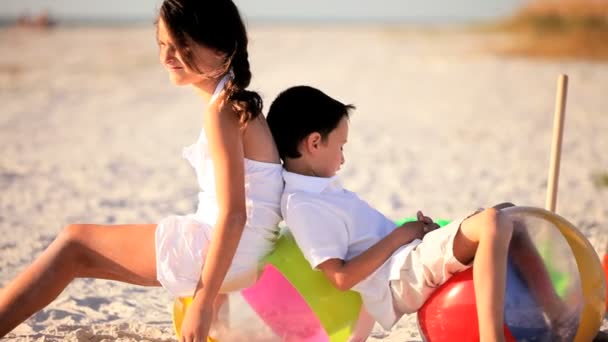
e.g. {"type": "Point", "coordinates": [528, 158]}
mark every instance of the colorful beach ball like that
{"type": "Point", "coordinates": [240, 322]}
{"type": "Point", "coordinates": [298, 303]}
{"type": "Point", "coordinates": [294, 302]}
{"type": "Point", "coordinates": [575, 273]}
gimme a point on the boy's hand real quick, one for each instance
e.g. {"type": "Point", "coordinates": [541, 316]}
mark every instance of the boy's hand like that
{"type": "Point", "coordinates": [416, 230]}
{"type": "Point", "coordinates": [430, 225]}
{"type": "Point", "coordinates": [420, 216]}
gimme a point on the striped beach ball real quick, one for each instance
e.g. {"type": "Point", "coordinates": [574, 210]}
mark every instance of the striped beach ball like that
{"type": "Point", "coordinates": [559, 253]}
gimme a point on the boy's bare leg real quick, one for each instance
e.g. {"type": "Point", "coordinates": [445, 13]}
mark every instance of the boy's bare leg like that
{"type": "Point", "coordinates": [562, 316]}
{"type": "Point", "coordinates": [529, 262]}
{"type": "Point", "coordinates": [530, 265]}
{"type": "Point", "coordinates": [601, 337]}
{"type": "Point", "coordinates": [364, 326]}
{"type": "Point", "coordinates": [123, 252]}
{"type": "Point", "coordinates": [524, 252]}
{"type": "Point", "coordinates": [503, 205]}
{"type": "Point", "coordinates": [484, 239]}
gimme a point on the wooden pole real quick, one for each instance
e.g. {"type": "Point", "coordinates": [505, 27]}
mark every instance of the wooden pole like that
{"type": "Point", "coordinates": [556, 145]}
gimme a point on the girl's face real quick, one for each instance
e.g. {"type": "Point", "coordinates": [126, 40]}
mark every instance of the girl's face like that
{"type": "Point", "coordinates": [209, 63]}
{"type": "Point", "coordinates": [330, 155]}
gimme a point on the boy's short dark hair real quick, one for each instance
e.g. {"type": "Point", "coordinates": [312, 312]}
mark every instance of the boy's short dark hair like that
{"type": "Point", "coordinates": [299, 111]}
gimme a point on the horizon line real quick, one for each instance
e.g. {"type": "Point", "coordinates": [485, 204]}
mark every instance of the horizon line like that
{"type": "Point", "coordinates": [388, 20]}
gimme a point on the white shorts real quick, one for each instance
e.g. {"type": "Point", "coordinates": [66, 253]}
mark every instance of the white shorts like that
{"type": "Point", "coordinates": [181, 247]}
{"type": "Point", "coordinates": [430, 264]}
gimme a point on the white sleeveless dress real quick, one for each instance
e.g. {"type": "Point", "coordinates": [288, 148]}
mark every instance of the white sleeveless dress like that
{"type": "Point", "coordinates": [182, 241]}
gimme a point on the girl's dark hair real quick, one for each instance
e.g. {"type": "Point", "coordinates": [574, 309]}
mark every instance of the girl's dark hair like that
{"type": "Point", "coordinates": [215, 24]}
{"type": "Point", "coordinates": [299, 111]}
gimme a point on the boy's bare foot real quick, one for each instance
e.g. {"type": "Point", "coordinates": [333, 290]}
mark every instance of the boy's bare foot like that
{"type": "Point", "coordinates": [601, 337]}
{"type": "Point", "coordinates": [564, 323]}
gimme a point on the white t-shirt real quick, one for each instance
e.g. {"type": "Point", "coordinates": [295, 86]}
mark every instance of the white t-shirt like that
{"type": "Point", "coordinates": [330, 222]}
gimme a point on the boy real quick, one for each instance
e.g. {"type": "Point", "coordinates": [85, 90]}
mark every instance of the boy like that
{"type": "Point", "coordinates": [393, 268]}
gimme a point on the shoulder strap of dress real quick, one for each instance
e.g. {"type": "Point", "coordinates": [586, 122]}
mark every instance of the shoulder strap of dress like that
{"type": "Point", "coordinates": [220, 86]}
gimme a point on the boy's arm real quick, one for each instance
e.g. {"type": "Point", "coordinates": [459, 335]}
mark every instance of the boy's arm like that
{"type": "Point", "coordinates": [346, 274]}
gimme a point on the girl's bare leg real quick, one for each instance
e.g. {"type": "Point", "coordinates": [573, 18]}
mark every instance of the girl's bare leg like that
{"type": "Point", "coordinates": [121, 252]}
{"type": "Point", "coordinates": [484, 239]}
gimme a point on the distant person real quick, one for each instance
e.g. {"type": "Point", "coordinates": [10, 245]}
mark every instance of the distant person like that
{"type": "Point", "coordinates": [216, 249]}
{"type": "Point", "coordinates": [394, 269]}
{"type": "Point", "coordinates": [42, 20]}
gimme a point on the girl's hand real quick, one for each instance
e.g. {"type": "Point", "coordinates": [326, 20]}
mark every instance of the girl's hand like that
{"type": "Point", "coordinates": [197, 322]}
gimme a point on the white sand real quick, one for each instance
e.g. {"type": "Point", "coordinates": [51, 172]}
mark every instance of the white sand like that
{"type": "Point", "coordinates": [91, 131]}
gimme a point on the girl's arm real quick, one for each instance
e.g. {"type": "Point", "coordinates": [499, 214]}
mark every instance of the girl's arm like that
{"type": "Point", "coordinates": [226, 147]}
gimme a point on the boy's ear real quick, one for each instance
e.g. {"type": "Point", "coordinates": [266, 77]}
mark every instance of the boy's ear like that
{"type": "Point", "coordinates": [312, 142]}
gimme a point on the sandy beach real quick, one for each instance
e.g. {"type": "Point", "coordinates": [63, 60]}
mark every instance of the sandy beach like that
{"type": "Point", "coordinates": [91, 130]}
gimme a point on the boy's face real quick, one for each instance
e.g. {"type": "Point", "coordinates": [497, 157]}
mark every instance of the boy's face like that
{"type": "Point", "coordinates": [329, 155]}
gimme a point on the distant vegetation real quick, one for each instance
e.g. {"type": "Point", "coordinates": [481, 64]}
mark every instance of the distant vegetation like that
{"type": "Point", "coordinates": [601, 179]}
{"type": "Point", "coordinates": [559, 29]}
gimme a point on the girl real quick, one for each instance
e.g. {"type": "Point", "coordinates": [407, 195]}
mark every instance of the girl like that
{"type": "Point", "coordinates": [216, 249]}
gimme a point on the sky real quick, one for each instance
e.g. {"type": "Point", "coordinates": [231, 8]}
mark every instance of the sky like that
{"type": "Point", "coordinates": [418, 11]}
